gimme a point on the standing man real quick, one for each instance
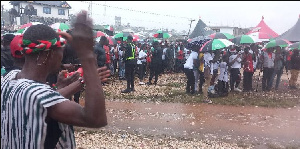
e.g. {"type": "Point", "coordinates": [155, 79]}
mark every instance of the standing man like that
{"type": "Point", "coordinates": [100, 52]}
{"type": "Point", "coordinates": [235, 63]}
{"type": "Point", "coordinates": [156, 63]}
{"type": "Point", "coordinates": [295, 69]}
{"type": "Point", "coordinates": [268, 58]}
{"type": "Point", "coordinates": [130, 63]}
{"type": "Point", "coordinates": [248, 70]}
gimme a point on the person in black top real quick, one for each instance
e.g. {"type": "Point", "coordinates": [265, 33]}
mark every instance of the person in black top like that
{"type": "Point", "coordinates": [7, 60]}
{"type": "Point", "coordinates": [130, 63]}
{"type": "Point", "coordinates": [156, 63]}
{"type": "Point", "coordinates": [100, 52]}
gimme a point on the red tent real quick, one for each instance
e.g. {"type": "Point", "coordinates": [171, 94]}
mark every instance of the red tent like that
{"type": "Point", "coordinates": [265, 32]}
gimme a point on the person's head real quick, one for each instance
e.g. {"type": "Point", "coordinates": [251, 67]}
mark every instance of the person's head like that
{"type": "Point", "coordinates": [269, 50]}
{"type": "Point", "coordinates": [278, 50]}
{"type": "Point", "coordinates": [103, 40]}
{"type": "Point", "coordinates": [155, 44]}
{"type": "Point", "coordinates": [296, 51]}
{"type": "Point", "coordinates": [7, 38]}
{"type": "Point", "coordinates": [129, 39]}
{"type": "Point", "coordinates": [246, 50]}
{"type": "Point", "coordinates": [43, 49]}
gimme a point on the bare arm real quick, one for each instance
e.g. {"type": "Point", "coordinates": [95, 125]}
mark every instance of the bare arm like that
{"type": "Point", "coordinates": [94, 112]}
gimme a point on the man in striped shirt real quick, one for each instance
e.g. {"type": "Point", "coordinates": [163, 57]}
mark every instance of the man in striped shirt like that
{"type": "Point", "coordinates": [35, 116]}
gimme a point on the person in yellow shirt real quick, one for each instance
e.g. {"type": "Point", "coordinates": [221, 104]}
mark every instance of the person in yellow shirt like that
{"type": "Point", "coordinates": [201, 71]}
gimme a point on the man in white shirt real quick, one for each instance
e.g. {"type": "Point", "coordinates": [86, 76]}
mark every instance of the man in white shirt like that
{"type": "Point", "coordinates": [141, 62]}
{"type": "Point", "coordinates": [164, 59]}
{"type": "Point", "coordinates": [188, 70]}
{"type": "Point", "coordinates": [235, 63]}
{"type": "Point", "coordinates": [223, 78]}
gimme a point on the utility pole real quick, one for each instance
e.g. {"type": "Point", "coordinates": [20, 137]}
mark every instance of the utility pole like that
{"type": "Point", "coordinates": [104, 14]}
{"type": "Point", "coordinates": [190, 27]}
{"type": "Point", "coordinates": [2, 19]}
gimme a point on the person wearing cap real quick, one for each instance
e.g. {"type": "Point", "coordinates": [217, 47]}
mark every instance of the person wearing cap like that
{"type": "Point", "coordinates": [130, 64]}
{"type": "Point", "coordinates": [7, 60]}
{"type": "Point", "coordinates": [235, 65]}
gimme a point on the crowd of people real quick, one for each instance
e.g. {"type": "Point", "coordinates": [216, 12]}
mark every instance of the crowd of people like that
{"type": "Point", "coordinates": [213, 73]}
{"type": "Point", "coordinates": [42, 69]}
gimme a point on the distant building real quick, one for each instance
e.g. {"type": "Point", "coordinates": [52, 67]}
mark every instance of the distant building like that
{"type": "Point", "coordinates": [236, 31]}
{"type": "Point", "coordinates": [117, 21]}
{"type": "Point", "coordinates": [47, 12]}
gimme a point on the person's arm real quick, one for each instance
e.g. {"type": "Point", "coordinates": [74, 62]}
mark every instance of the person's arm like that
{"type": "Point", "coordinates": [93, 114]}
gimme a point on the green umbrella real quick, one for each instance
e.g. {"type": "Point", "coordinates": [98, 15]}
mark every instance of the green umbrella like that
{"type": "Point", "coordinates": [122, 36]}
{"type": "Point", "coordinates": [279, 42]}
{"type": "Point", "coordinates": [215, 44]}
{"type": "Point", "coordinates": [162, 34]}
{"type": "Point", "coordinates": [295, 46]}
{"type": "Point", "coordinates": [243, 39]}
{"type": "Point", "coordinates": [221, 36]}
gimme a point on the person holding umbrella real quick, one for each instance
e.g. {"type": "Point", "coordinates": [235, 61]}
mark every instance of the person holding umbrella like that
{"type": "Point", "coordinates": [248, 70]}
{"type": "Point", "coordinates": [278, 66]}
{"type": "Point", "coordinates": [130, 63]}
{"type": "Point", "coordinates": [156, 63]}
{"type": "Point", "coordinates": [235, 64]}
{"type": "Point", "coordinates": [267, 58]}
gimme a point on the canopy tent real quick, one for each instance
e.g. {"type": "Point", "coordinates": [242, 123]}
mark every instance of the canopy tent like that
{"type": "Point", "coordinates": [264, 31]}
{"type": "Point", "coordinates": [293, 34]}
{"type": "Point", "coordinates": [201, 29]}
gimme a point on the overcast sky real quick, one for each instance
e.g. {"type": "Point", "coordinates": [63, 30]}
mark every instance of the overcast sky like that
{"type": "Point", "coordinates": [279, 15]}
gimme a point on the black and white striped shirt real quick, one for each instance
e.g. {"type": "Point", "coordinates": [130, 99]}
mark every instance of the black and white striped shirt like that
{"type": "Point", "coordinates": [24, 106]}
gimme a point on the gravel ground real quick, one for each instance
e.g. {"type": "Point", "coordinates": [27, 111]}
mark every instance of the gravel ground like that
{"type": "Point", "coordinates": [110, 140]}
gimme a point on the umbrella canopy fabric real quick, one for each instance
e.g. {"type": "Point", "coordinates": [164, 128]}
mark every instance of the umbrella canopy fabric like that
{"type": "Point", "coordinates": [279, 42]}
{"type": "Point", "coordinates": [122, 36]}
{"type": "Point", "coordinates": [135, 38]}
{"type": "Point", "coordinates": [161, 34]}
{"type": "Point", "coordinates": [215, 44]}
{"type": "Point", "coordinates": [221, 36]}
{"type": "Point", "coordinates": [108, 27]}
{"type": "Point", "coordinates": [24, 27]}
{"type": "Point", "coordinates": [29, 24]}
{"type": "Point", "coordinates": [110, 39]}
{"type": "Point", "coordinates": [256, 36]}
{"type": "Point", "coordinates": [60, 27]}
{"type": "Point", "coordinates": [199, 38]}
{"type": "Point", "coordinates": [243, 39]}
{"type": "Point", "coordinates": [295, 46]}
{"type": "Point", "coordinates": [99, 34]}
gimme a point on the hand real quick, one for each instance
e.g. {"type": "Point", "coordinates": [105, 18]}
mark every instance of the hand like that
{"type": "Point", "coordinates": [103, 74]}
{"type": "Point", "coordinates": [63, 82]}
{"type": "Point", "coordinates": [82, 40]}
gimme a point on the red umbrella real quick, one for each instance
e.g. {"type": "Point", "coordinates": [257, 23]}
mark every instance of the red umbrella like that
{"type": "Point", "coordinates": [135, 37]}
{"type": "Point", "coordinates": [99, 34]}
{"type": "Point", "coordinates": [111, 40]}
{"type": "Point", "coordinates": [204, 45]}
